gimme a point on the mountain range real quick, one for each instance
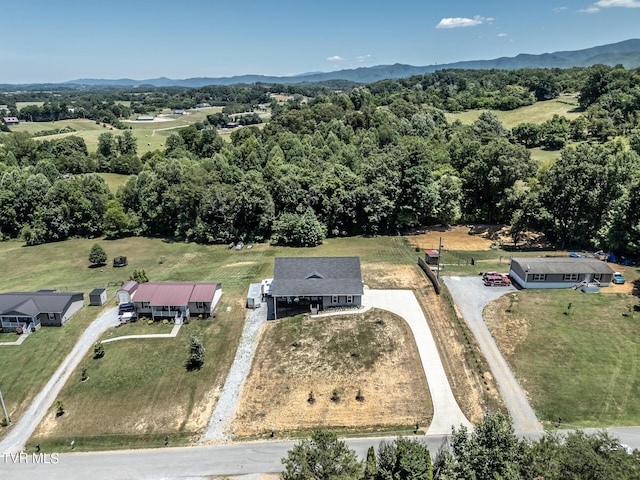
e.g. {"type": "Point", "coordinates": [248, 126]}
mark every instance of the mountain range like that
{"type": "Point", "coordinates": [626, 53]}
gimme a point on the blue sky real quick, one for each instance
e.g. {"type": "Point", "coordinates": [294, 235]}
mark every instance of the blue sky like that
{"type": "Point", "coordinates": [60, 40]}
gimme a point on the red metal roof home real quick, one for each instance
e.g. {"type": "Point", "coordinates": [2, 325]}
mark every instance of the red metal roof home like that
{"type": "Point", "coordinates": [176, 299]}
{"type": "Point", "coordinates": [10, 120]}
{"type": "Point", "coordinates": [164, 294]}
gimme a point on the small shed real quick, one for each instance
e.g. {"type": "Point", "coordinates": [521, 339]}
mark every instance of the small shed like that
{"type": "Point", "coordinates": [254, 298]}
{"type": "Point", "coordinates": [120, 262]}
{"type": "Point", "coordinates": [431, 257]}
{"type": "Point", "coordinates": [98, 297]}
{"type": "Point", "coordinates": [126, 291]}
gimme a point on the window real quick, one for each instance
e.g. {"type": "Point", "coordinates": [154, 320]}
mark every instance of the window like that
{"type": "Point", "coordinates": [145, 305]}
{"type": "Point", "coordinates": [570, 277]}
{"type": "Point", "coordinates": [200, 305]}
{"type": "Point", "coordinates": [334, 298]}
{"type": "Point", "coordinates": [51, 316]}
{"type": "Point", "coordinates": [597, 277]}
{"type": "Point", "coordinates": [539, 277]}
{"type": "Point", "coordinates": [349, 298]}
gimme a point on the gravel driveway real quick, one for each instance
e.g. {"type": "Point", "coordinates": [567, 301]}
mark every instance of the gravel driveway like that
{"type": "Point", "coordinates": [24, 428]}
{"type": "Point", "coordinates": [471, 296]}
{"type": "Point", "coordinates": [219, 426]}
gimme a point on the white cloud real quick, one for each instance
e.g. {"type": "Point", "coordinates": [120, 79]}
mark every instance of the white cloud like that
{"type": "Point", "coordinates": [618, 3]}
{"type": "Point", "coordinates": [502, 34]}
{"type": "Point", "coordinates": [335, 58]}
{"type": "Point", "coordinates": [456, 22]}
{"type": "Point", "coordinates": [559, 9]}
{"type": "Point", "coordinates": [590, 10]}
{"type": "Point", "coordinates": [363, 58]}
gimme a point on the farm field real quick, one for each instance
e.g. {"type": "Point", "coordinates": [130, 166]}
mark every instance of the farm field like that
{"type": "Point", "coordinates": [386, 262]}
{"type": "Point", "coordinates": [150, 135]}
{"type": "Point", "coordinates": [565, 105]}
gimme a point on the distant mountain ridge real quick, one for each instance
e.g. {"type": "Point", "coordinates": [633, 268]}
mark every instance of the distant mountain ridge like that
{"type": "Point", "coordinates": [626, 53]}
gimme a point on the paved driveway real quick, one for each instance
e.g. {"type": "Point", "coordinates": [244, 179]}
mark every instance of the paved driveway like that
{"type": "Point", "coordinates": [446, 412]}
{"type": "Point", "coordinates": [471, 296]}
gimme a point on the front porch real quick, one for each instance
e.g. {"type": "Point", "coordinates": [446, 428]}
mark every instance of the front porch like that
{"type": "Point", "coordinates": [177, 313]}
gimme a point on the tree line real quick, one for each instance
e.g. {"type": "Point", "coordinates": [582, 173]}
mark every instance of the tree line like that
{"type": "Point", "coordinates": [369, 160]}
{"type": "Point", "coordinates": [492, 451]}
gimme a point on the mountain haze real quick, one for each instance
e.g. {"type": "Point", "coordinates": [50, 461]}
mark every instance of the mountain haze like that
{"type": "Point", "coordinates": [626, 53]}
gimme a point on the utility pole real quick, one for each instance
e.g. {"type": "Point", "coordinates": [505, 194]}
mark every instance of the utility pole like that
{"type": "Point", "coordinates": [439, 254]}
{"type": "Point", "coordinates": [4, 410]}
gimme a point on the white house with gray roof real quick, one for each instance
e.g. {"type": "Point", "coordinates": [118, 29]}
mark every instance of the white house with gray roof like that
{"type": "Point", "coordinates": [35, 309]}
{"type": "Point", "coordinates": [310, 284]}
{"type": "Point", "coordinates": [559, 272]}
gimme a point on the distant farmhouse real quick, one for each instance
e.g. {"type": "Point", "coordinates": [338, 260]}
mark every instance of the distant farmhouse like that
{"type": "Point", "coordinates": [303, 285]}
{"type": "Point", "coordinates": [10, 120]}
{"type": "Point", "coordinates": [559, 272]}
{"type": "Point", "coordinates": [172, 300]}
{"type": "Point", "coordinates": [30, 310]}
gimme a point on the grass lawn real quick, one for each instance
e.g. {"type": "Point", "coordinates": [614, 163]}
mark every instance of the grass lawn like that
{"type": "Point", "coordinates": [64, 266]}
{"type": "Point", "coordinates": [579, 363]}
{"type": "Point", "coordinates": [20, 105]}
{"type": "Point", "coordinates": [114, 180]}
{"type": "Point", "coordinates": [25, 369]}
{"type": "Point", "coordinates": [566, 106]}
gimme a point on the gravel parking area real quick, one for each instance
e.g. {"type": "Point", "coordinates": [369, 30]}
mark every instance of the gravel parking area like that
{"type": "Point", "coordinates": [471, 296]}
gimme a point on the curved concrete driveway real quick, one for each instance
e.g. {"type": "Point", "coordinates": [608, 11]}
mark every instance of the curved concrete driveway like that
{"type": "Point", "coordinates": [471, 296]}
{"type": "Point", "coordinates": [446, 411]}
{"type": "Point", "coordinates": [22, 430]}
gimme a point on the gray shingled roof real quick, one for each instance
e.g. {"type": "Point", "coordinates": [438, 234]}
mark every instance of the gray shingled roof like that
{"type": "Point", "coordinates": [33, 303]}
{"type": "Point", "coordinates": [304, 276]}
{"type": "Point", "coordinates": [562, 265]}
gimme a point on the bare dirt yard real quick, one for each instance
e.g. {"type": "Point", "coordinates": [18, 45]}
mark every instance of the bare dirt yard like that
{"type": "Point", "coordinates": [307, 372]}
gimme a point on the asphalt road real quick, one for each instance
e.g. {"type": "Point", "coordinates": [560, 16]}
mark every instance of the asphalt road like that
{"type": "Point", "coordinates": [199, 462]}
{"type": "Point", "coordinates": [30, 419]}
{"type": "Point", "coordinates": [471, 296]}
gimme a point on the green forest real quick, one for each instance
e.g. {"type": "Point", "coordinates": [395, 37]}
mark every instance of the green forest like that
{"type": "Point", "coordinates": [336, 159]}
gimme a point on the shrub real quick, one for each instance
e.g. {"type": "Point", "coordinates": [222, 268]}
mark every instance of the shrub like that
{"type": "Point", "coordinates": [165, 322]}
{"type": "Point", "coordinates": [196, 355]}
{"type": "Point", "coordinates": [98, 350]}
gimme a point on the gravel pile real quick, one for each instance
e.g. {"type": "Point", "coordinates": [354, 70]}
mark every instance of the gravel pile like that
{"type": "Point", "coordinates": [224, 412]}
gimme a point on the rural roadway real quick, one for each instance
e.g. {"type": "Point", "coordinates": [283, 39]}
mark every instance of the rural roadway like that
{"type": "Point", "coordinates": [446, 411]}
{"type": "Point", "coordinates": [32, 417]}
{"type": "Point", "coordinates": [470, 297]}
{"type": "Point", "coordinates": [199, 463]}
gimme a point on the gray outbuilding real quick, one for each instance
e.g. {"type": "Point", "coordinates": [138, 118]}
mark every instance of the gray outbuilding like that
{"type": "Point", "coordinates": [98, 297]}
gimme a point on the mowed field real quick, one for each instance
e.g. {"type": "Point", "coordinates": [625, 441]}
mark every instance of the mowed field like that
{"type": "Point", "coordinates": [577, 355]}
{"type": "Point", "coordinates": [151, 135]}
{"type": "Point", "coordinates": [565, 105]}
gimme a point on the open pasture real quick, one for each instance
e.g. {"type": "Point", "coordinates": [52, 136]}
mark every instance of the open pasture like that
{"type": "Point", "coordinates": [565, 105]}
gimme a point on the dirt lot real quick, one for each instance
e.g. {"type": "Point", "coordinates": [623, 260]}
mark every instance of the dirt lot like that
{"type": "Point", "coordinates": [453, 238]}
{"type": "Point", "coordinates": [373, 353]}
